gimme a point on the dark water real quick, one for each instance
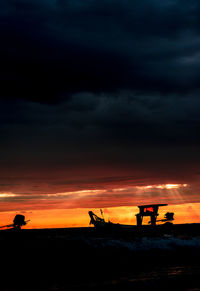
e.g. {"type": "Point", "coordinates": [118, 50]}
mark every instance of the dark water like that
{"type": "Point", "coordinates": [78, 259]}
{"type": "Point", "coordinates": [160, 278]}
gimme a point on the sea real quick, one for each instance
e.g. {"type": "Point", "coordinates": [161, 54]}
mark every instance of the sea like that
{"type": "Point", "coordinates": [73, 259]}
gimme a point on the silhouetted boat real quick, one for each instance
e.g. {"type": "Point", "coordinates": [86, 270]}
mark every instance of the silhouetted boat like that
{"type": "Point", "coordinates": [144, 210]}
{"type": "Point", "coordinates": [137, 230]}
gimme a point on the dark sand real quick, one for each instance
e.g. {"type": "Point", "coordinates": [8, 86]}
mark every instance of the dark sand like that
{"type": "Point", "coordinates": [73, 259]}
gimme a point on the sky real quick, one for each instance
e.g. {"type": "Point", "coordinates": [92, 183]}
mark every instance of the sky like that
{"type": "Point", "coordinates": [99, 108]}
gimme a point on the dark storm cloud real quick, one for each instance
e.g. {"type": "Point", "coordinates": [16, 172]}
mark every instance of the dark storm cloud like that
{"type": "Point", "coordinates": [101, 129]}
{"type": "Point", "coordinates": [95, 89]}
{"type": "Point", "coordinates": [123, 117]}
{"type": "Point", "coordinates": [52, 48]}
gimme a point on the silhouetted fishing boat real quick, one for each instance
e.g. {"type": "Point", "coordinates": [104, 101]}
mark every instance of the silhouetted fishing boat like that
{"type": "Point", "coordinates": [144, 210]}
{"type": "Point", "coordinates": [151, 229]}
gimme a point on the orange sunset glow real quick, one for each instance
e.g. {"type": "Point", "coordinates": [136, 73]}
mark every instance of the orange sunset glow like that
{"type": "Point", "coordinates": [70, 209]}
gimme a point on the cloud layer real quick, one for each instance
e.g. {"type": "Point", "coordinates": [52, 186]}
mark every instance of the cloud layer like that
{"type": "Point", "coordinates": [51, 48]}
{"type": "Point", "coordinates": [98, 94]}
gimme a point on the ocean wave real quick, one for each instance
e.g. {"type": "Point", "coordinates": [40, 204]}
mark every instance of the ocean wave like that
{"type": "Point", "coordinates": [165, 243]}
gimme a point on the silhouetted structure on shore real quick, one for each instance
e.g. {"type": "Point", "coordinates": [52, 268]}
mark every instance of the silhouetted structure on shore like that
{"type": "Point", "coordinates": [18, 222]}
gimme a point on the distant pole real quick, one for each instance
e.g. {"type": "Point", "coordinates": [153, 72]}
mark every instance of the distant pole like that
{"type": "Point", "coordinates": [102, 213]}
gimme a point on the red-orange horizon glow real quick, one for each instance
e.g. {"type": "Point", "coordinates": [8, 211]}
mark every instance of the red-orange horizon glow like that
{"type": "Point", "coordinates": [64, 218]}
{"type": "Point", "coordinates": [70, 208]}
